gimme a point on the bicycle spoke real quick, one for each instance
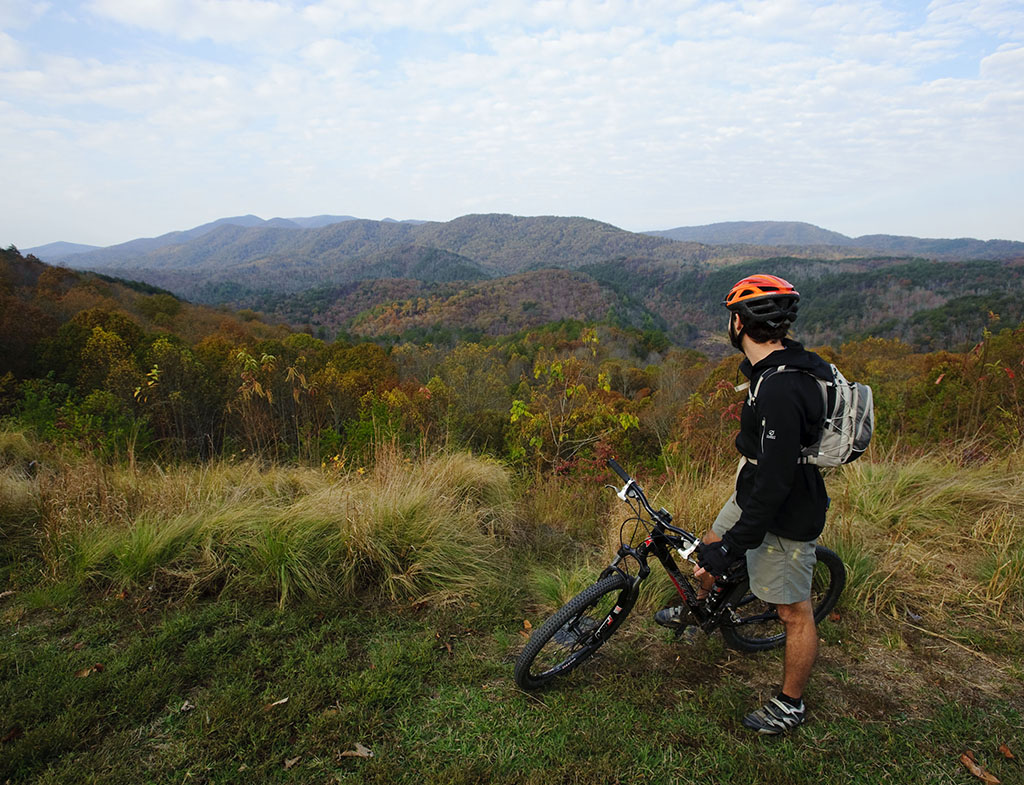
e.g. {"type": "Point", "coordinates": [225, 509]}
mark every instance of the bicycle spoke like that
{"type": "Point", "coordinates": [596, 613]}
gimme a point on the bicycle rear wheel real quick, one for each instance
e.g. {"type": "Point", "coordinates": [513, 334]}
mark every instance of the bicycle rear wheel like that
{"type": "Point", "coordinates": [754, 625]}
{"type": "Point", "coordinates": [574, 632]}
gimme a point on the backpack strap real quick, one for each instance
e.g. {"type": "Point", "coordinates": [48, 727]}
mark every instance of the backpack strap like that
{"type": "Point", "coordinates": [752, 393]}
{"type": "Point", "coordinates": [825, 420]}
{"type": "Point", "coordinates": [823, 385]}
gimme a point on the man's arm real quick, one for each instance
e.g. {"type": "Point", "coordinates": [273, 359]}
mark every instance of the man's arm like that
{"type": "Point", "coordinates": [779, 415]}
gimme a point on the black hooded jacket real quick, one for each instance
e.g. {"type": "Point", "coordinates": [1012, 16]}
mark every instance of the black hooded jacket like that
{"type": "Point", "coordinates": [778, 494]}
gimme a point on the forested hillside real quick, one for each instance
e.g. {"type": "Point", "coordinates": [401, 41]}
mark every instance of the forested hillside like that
{"type": "Point", "coordinates": [264, 258]}
{"type": "Point", "coordinates": [931, 305]}
{"type": "Point", "coordinates": [494, 275]}
{"type": "Point", "coordinates": [538, 367]}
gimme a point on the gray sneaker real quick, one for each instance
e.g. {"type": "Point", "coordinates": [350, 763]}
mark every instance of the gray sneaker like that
{"type": "Point", "coordinates": [776, 717]}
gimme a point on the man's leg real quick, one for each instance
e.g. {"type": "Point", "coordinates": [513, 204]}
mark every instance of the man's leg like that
{"type": "Point", "coordinates": [801, 646]}
{"type": "Point", "coordinates": [782, 569]}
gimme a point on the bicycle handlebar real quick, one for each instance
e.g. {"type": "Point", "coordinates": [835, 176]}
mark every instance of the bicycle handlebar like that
{"type": "Point", "coordinates": [633, 489]}
{"type": "Point", "coordinates": [618, 470]}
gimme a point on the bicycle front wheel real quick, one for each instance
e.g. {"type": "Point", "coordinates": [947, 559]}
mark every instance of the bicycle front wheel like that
{"type": "Point", "coordinates": [754, 625]}
{"type": "Point", "coordinates": [574, 632]}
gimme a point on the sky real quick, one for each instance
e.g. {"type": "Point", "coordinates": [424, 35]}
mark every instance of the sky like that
{"type": "Point", "coordinates": [131, 118]}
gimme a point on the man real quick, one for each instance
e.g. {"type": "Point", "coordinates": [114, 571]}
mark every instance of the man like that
{"type": "Point", "coordinates": [778, 509]}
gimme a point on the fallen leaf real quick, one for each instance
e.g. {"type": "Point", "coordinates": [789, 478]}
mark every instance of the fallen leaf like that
{"type": "Point", "coordinates": [269, 706]}
{"type": "Point", "coordinates": [973, 766]}
{"type": "Point", "coordinates": [85, 672]}
{"type": "Point", "coordinates": [359, 752]}
{"type": "Point", "coordinates": [187, 706]}
{"type": "Point", "coordinates": [834, 616]}
{"type": "Point", "coordinates": [14, 733]}
{"type": "Point", "coordinates": [79, 646]}
{"type": "Point", "coordinates": [5, 594]}
{"type": "Point", "coordinates": [243, 767]}
{"type": "Point", "coordinates": [1006, 752]}
{"type": "Point", "coordinates": [291, 762]}
{"type": "Point", "coordinates": [527, 625]}
{"type": "Point", "coordinates": [525, 634]}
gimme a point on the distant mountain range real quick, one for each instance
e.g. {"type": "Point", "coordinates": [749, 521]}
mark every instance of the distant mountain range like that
{"type": "Point", "coordinates": [52, 252]}
{"type": "Point", "coordinates": [254, 254]}
{"type": "Point", "coordinates": [60, 252]}
{"type": "Point", "coordinates": [755, 233]}
{"type": "Point", "coordinates": [796, 233]}
{"type": "Point", "coordinates": [497, 274]}
{"type": "Point", "coordinates": [502, 244]}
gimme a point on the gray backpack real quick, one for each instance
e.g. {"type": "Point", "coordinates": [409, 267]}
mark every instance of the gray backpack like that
{"type": "Point", "coordinates": [849, 417]}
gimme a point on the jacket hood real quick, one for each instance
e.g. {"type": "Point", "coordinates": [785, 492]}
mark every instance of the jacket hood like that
{"type": "Point", "coordinates": [792, 355]}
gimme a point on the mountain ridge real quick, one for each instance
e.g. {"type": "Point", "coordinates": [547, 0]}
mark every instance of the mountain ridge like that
{"type": "Point", "coordinates": [477, 272]}
{"type": "Point", "coordinates": [465, 235]}
{"type": "Point", "coordinates": [799, 233]}
{"type": "Point", "coordinates": [58, 251]}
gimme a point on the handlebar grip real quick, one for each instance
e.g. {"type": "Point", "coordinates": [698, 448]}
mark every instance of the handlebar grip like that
{"type": "Point", "coordinates": [618, 470]}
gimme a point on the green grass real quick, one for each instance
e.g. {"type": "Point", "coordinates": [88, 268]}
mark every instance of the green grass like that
{"type": "Point", "coordinates": [184, 692]}
{"type": "Point", "coordinates": [388, 607]}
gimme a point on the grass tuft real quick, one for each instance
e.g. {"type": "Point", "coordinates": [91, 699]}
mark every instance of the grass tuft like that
{"type": "Point", "coordinates": [428, 530]}
{"type": "Point", "coordinates": [16, 449]}
{"type": "Point", "coordinates": [918, 535]}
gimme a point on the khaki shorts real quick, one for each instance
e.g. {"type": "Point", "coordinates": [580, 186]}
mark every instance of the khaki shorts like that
{"type": "Point", "coordinates": [780, 569]}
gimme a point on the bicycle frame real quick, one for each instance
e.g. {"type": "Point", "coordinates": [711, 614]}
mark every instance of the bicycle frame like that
{"type": "Point", "coordinates": [583, 624]}
{"type": "Point", "coordinates": [662, 539]}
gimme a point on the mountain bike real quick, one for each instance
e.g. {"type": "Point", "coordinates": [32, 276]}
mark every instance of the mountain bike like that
{"type": "Point", "coordinates": [577, 630]}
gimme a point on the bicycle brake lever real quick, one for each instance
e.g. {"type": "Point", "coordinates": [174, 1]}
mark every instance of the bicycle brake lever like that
{"type": "Point", "coordinates": [688, 552]}
{"type": "Point", "coordinates": [622, 494]}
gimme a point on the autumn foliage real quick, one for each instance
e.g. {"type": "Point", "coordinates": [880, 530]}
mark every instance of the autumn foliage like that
{"type": "Point", "coordinates": [126, 370]}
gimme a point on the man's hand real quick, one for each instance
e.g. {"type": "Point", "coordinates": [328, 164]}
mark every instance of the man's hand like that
{"type": "Point", "coordinates": [716, 557]}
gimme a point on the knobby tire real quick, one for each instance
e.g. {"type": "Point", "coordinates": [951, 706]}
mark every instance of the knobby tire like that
{"type": "Point", "coordinates": [572, 635]}
{"type": "Point", "coordinates": [763, 629]}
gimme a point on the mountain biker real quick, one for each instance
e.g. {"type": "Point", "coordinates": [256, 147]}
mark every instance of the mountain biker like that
{"type": "Point", "coordinates": [778, 509]}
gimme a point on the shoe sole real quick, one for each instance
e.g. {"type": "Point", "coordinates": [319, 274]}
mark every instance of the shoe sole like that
{"type": "Point", "coordinates": [769, 731]}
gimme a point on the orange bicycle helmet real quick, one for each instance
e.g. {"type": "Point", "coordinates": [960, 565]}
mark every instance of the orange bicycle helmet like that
{"type": "Point", "coordinates": [763, 299]}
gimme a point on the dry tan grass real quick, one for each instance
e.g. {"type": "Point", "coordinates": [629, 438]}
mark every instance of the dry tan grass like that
{"type": "Point", "coordinates": [928, 534]}
{"type": "Point", "coordinates": [427, 530]}
{"type": "Point", "coordinates": [921, 537]}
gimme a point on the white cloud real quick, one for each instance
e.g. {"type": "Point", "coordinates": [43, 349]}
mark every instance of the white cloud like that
{"type": "Point", "coordinates": [19, 13]}
{"type": "Point", "coordinates": [622, 110]}
{"type": "Point", "coordinates": [259, 23]}
{"type": "Point", "coordinates": [1005, 66]}
{"type": "Point", "coordinates": [11, 52]}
